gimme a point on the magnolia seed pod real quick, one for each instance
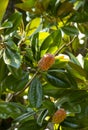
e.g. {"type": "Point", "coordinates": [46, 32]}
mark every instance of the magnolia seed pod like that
{"type": "Point", "coordinates": [59, 116]}
{"type": "Point", "coordinates": [46, 62]}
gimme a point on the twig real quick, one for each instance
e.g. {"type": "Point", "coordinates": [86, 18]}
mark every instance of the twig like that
{"type": "Point", "coordinates": [26, 86]}
{"type": "Point", "coordinates": [64, 45]}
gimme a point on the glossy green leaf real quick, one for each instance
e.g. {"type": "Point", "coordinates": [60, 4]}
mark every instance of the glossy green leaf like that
{"type": "Point", "coordinates": [70, 123]}
{"type": "Point", "coordinates": [50, 106]}
{"type": "Point", "coordinates": [6, 25]}
{"type": "Point", "coordinates": [51, 90]}
{"type": "Point", "coordinates": [42, 116]}
{"type": "Point", "coordinates": [79, 17]}
{"type": "Point", "coordinates": [77, 71]}
{"type": "Point", "coordinates": [10, 110]}
{"type": "Point", "coordinates": [33, 27]}
{"type": "Point", "coordinates": [15, 84]}
{"type": "Point", "coordinates": [51, 43]}
{"type": "Point", "coordinates": [25, 117]}
{"type": "Point", "coordinates": [12, 58]}
{"type": "Point", "coordinates": [59, 73]}
{"type": "Point", "coordinates": [73, 58]}
{"type": "Point", "coordinates": [72, 80]}
{"type": "Point", "coordinates": [26, 5]}
{"type": "Point", "coordinates": [57, 82]}
{"type": "Point", "coordinates": [3, 4]}
{"type": "Point", "coordinates": [70, 30]}
{"type": "Point", "coordinates": [16, 72]}
{"type": "Point", "coordinates": [60, 63]}
{"type": "Point", "coordinates": [11, 45]}
{"type": "Point", "coordinates": [35, 46]}
{"type": "Point", "coordinates": [35, 93]}
{"type": "Point", "coordinates": [65, 103]}
{"type": "Point", "coordinates": [14, 20]}
{"type": "Point", "coordinates": [74, 95]}
{"type": "Point", "coordinates": [83, 27]}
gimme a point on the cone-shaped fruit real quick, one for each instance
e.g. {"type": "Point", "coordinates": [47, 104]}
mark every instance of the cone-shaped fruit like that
{"type": "Point", "coordinates": [59, 116]}
{"type": "Point", "coordinates": [46, 62]}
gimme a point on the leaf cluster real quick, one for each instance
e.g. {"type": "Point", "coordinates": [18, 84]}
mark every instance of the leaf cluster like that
{"type": "Point", "coordinates": [29, 97]}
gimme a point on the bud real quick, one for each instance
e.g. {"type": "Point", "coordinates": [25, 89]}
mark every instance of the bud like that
{"type": "Point", "coordinates": [46, 62]}
{"type": "Point", "coordinates": [59, 116]}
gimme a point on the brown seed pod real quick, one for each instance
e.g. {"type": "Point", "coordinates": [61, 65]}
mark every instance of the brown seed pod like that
{"type": "Point", "coordinates": [46, 62]}
{"type": "Point", "coordinates": [59, 116]}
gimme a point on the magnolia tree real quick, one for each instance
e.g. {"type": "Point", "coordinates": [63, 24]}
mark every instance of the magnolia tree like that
{"type": "Point", "coordinates": [43, 65]}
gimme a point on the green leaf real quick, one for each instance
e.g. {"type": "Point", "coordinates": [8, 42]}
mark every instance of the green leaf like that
{"type": "Point", "coordinates": [25, 117]}
{"type": "Point", "coordinates": [26, 5]}
{"type": "Point", "coordinates": [64, 8]}
{"type": "Point", "coordinates": [33, 27]}
{"type": "Point", "coordinates": [77, 71]}
{"type": "Point", "coordinates": [12, 58]}
{"type": "Point", "coordinates": [65, 103]}
{"type": "Point", "coordinates": [42, 116]}
{"type": "Point", "coordinates": [73, 59]}
{"type": "Point", "coordinates": [14, 20]}
{"type": "Point", "coordinates": [59, 73]}
{"type": "Point", "coordinates": [3, 4]}
{"type": "Point", "coordinates": [51, 90]}
{"type": "Point", "coordinates": [31, 124]}
{"type": "Point", "coordinates": [16, 72]}
{"type": "Point", "coordinates": [35, 46]}
{"type": "Point", "coordinates": [51, 43]}
{"type": "Point", "coordinates": [15, 84]}
{"type": "Point", "coordinates": [45, 3]}
{"type": "Point", "coordinates": [3, 70]}
{"type": "Point", "coordinates": [70, 30]}
{"type": "Point", "coordinates": [72, 80]}
{"type": "Point", "coordinates": [10, 109]}
{"type": "Point", "coordinates": [79, 17]}
{"type": "Point", "coordinates": [6, 25]}
{"type": "Point", "coordinates": [35, 93]}
{"type": "Point", "coordinates": [83, 27]}
{"type": "Point", "coordinates": [11, 45]}
{"type": "Point", "coordinates": [57, 82]}
{"type": "Point", "coordinates": [49, 105]}
{"type": "Point", "coordinates": [70, 123]}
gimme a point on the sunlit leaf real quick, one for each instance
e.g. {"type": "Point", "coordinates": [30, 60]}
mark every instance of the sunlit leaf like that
{"type": "Point", "coordinates": [33, 26]}
{"type": "Point", "coordinates": [51, 43]}
{"type": "Point", "coordinates": [3, 4]}
{"type": "Point", "coordinates": [12, 58]}
{"type": "Point", "coordinates": [26, 5]}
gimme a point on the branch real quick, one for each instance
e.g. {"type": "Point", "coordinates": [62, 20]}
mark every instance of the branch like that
{"type": "Point", "coordinates": [26, 86]}
{"type": "Point", "coordinates": [64, 45]}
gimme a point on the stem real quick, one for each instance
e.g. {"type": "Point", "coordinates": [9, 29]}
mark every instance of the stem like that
{"type": "Point", "coordinates": [26, 86]}
{"type": "Point", "coordinates": [64, 45]}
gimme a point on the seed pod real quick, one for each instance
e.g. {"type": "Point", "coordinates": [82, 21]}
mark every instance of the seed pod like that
{"type": "Point", "coordinates": [59, 116]}
{"type": "Point", "coordinates": [46, 62]}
